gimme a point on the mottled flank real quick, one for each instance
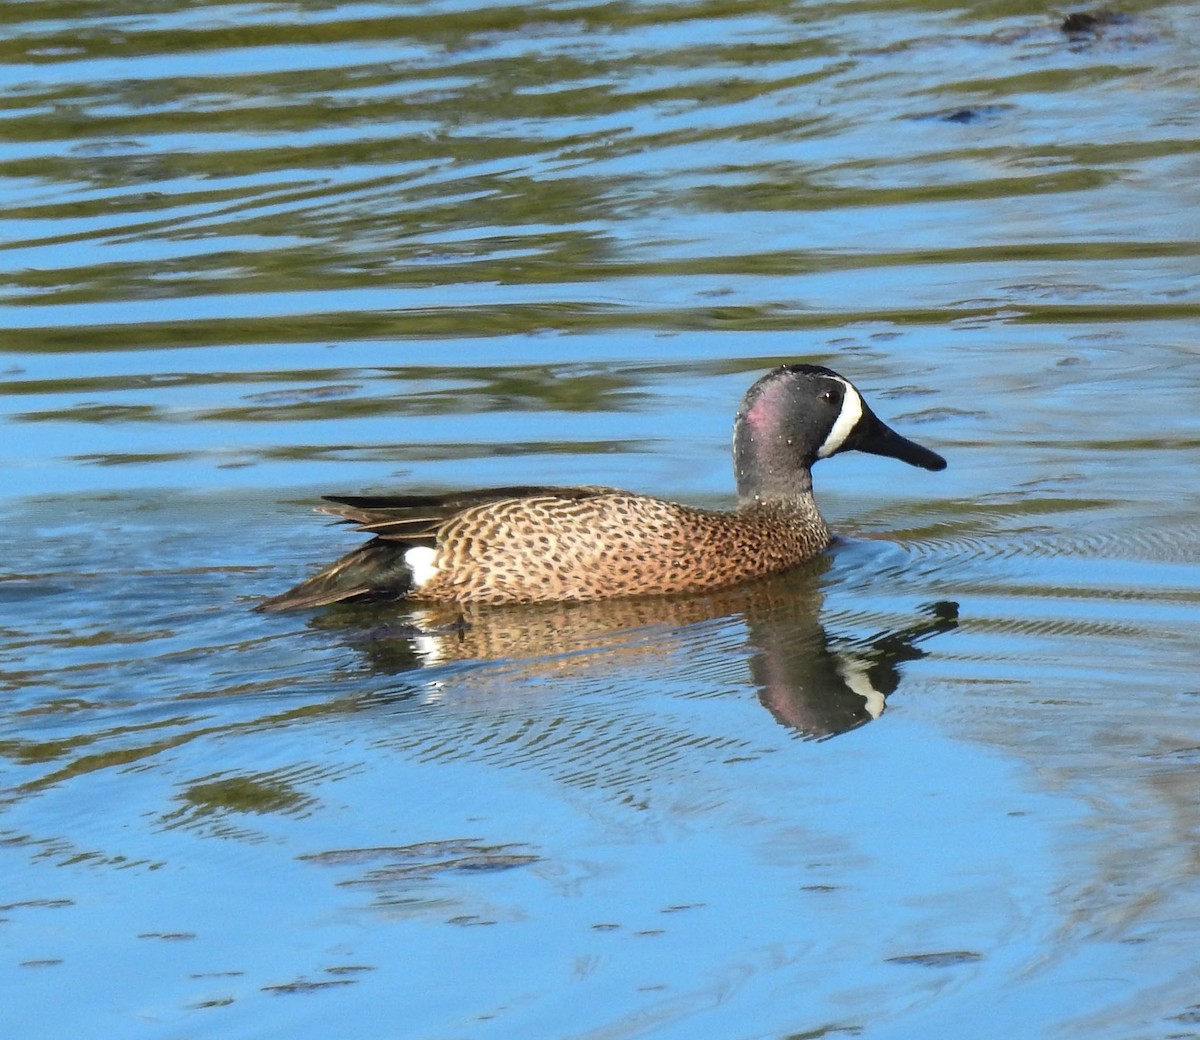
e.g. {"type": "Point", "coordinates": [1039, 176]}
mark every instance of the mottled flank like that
{"type": "Point", "coordinates": [540, 544]}
{"type": "Point", "coordinates": [612, 543]}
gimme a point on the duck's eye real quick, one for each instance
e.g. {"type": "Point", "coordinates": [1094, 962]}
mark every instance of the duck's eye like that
{"type": "Point", "coordinates": [829, 396]}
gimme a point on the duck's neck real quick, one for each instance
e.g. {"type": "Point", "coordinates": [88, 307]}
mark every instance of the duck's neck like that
{"type": "Point", "coordinates": [768, 470]}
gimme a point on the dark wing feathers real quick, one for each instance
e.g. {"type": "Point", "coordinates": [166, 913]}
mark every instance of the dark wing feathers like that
{"type": "Point", "coordinates": [376, 570]}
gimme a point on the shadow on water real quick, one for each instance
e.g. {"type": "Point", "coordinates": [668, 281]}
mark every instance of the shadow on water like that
{"type": "Point", "coordinates": [807, 679]}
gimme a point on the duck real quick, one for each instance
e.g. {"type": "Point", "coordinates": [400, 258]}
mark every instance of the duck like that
{"type": "Point", "coordinates": [529, 544]}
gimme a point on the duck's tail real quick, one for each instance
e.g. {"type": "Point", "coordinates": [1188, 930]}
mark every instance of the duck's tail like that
{"type": "Point", "coordinates": [375, 571]}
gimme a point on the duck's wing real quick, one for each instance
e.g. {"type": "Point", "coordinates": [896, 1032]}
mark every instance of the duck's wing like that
{"type": "Point", "coordinates": [417, 519]}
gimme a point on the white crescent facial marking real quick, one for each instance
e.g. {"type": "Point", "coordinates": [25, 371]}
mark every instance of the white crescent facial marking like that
{"type": "Point", "coordinates": [852, 411]}
{"type": "Point", "coordinates": [420, 561]}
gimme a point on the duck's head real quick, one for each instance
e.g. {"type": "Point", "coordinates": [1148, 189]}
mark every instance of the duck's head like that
{"type": "Point", "coordinates": [797, 414]}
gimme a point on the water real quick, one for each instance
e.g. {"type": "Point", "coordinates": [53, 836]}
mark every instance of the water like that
{"type": "Point", "coordinates": [252, 254]}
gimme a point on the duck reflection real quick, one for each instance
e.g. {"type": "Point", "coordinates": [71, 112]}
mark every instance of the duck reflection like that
{"type": "Point", "coordinates": [808, 680]}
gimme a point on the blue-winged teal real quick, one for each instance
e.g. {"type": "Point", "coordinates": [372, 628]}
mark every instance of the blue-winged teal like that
{"type": "Point", "coordinates": [525, 544]}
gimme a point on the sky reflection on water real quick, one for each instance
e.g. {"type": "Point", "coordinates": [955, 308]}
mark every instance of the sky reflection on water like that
{"type": "Point", "coordinates": [254, 255]}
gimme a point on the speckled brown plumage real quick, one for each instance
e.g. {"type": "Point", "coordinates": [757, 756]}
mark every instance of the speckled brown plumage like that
{"type": "Point", "coordinates": [546, 546]}
{"type": "Point", "coordinates": [539, 544]}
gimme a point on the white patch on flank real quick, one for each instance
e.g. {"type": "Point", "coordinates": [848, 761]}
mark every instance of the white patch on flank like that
{"type": "Point", "coordinates": [420, 561]}
{"type": "Point", "coordinates": [852, 411]}
{"type": "Point", "coordinates": [855, 674]}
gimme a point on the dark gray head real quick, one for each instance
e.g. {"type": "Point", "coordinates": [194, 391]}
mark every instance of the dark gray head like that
{"type": "Point", "coordinates": [797, 414]}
